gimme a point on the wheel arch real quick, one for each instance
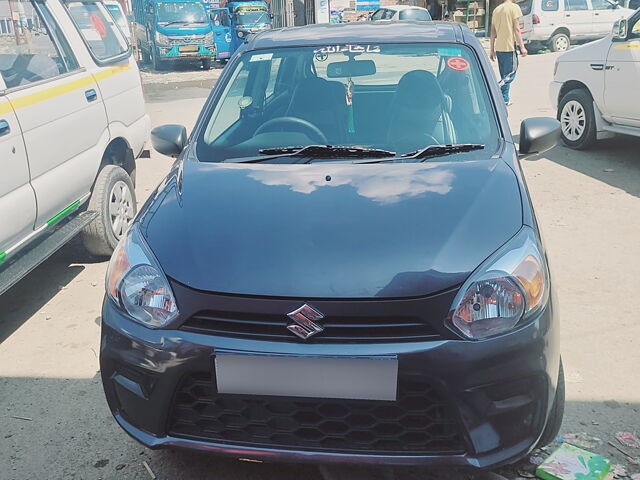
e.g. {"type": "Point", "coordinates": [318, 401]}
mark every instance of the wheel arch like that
{"type": "Point", "coordinates": [572, 85]}
{"type": "Point", "coordinates": [558, 30]}
{"type": "Point", "coordinates": [119, 152]}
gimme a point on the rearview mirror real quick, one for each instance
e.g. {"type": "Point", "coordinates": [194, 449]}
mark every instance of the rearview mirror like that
{"type": "Point", "coordinates": [351, 68]}
{"type": "Point", "coordinates": [169, 140]}
{"type": "Point", "coordinates": [619, 30]}
{"type": "Point", "coordinates": [538, 134]}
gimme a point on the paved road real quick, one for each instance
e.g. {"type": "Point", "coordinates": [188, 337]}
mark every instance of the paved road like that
{"type": "Point", "coordinates": [587, 204]}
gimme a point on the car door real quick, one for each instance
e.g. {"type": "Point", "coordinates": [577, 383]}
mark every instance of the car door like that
{"type": "Point", "coordinates": [17, 200]}
{"type": "Point", "coordinates": [578, 18]}
{"type": "Point", "coordinates": [59, 108]}
{"type": "Point", "coordinates": [622, 74]}
{"type": "Point", "coordinates": [108, 57]}
{"type": "Point", "coordinates": [221, 32]}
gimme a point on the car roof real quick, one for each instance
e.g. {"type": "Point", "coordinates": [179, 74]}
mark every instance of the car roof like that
{"type": "Point", "coordinates": [402, 7]}
{"type": "Point", "coordinates": [358, 33]}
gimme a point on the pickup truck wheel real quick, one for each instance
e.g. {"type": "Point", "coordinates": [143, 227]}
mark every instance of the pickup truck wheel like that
{"type": "Point", "coordinates": [156, 63]}
{"type": "Point", "coordinates": [560, 42]}
{"type": "Point", "coordinates": [554, 422]}
{"type": "Point", "coordinates": [577, 120]}
{"type": "Point", "coordinates": [114, 199]}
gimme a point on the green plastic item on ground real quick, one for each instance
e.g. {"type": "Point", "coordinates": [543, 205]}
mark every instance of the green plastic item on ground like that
{"type": "Point", "coordinates": [573, 463]}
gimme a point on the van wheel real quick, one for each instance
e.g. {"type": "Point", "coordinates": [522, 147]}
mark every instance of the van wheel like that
{"type": "Point", "coordinates": [114, 198]}
{"type": "Point", "coordinates": [557, 412]}
{"type": "Point", "coordinates": [577, 120]}
{"type": "Point", "coordinates": [206, 63]}
{"type": "Point", "coordinates": [560, 42]}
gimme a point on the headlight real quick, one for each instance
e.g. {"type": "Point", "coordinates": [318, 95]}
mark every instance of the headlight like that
{"type": "Point", "coordinates": [512, 285]}
{"type": "Point", "coordinates": [162, 39]}
{"type": "Point", "coordinates": [136, 284]}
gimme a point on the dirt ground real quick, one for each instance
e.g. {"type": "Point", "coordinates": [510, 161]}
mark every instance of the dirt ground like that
{"type": "Point", "coordinates": [54, 421]}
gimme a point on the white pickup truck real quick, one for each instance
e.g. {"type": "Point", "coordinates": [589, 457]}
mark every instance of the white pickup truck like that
{"type": "Point", "coordinates": [595, 86]}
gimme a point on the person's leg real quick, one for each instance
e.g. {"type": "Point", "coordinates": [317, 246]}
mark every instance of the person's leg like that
{"type": "Point", "coordinates": [507, 65]}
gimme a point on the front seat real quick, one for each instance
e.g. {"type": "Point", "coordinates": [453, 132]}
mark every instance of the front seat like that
{"type": "Point", "coordinates": [322, 103]}
{"type": "Point", "coordinates": [419, 113]}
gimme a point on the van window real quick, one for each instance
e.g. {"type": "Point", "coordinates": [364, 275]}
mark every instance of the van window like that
{"type": "Point", "coordinates": [550, 5]}
{"type": "Point", "coordinates": [98, 29]}
{"type": "Point", "coordinates": [602, 5]}
{"type": "Point", "coordinates": [414, 14]}
{"type": "Point", "coordinates": [525, 6]}
{"type": "Point", "coordinates": [575, 5]}
{"type": "Point", "coordinates": [31, 54]}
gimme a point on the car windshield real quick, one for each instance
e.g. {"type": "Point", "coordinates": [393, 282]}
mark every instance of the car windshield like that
{"type": "Point", "coordinates": [394, 97]}
{"type": "Point", "coordinates": [182, 12]}
{"type": "Point", "coordinates": [249, 15]}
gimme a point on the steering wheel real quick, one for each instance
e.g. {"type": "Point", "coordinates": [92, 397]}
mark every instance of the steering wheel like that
{"type": "Point", "coordinates": [279, 123]}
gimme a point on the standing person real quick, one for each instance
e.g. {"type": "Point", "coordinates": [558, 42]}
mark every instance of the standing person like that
{"type": "Point", "coordinates": [505, 34]}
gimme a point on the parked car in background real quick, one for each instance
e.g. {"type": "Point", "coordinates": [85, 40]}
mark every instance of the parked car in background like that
{"type": "Point", "coordinates": [596, 86]}
{"type": "Point", "coordinates": [331, 307]}
{"type": "Point", "coordinates": [557, 24]}
{"type": "Point", "coordinates": [115, 9]}
{"type": "Point", "coordinates": [401, 12]}
{"type": "Point", "coordinates": [72, 123]}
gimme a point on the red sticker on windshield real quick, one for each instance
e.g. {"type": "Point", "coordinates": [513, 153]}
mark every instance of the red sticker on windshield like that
{"type": "Point", "coordinates": [458, 63]}
{"type": "Point", "coordinates": [98, 24]}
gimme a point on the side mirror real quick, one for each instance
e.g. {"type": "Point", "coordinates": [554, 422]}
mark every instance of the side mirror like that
{"type": "Point", "coordinates": [619, 30]}
{"type": "Point", "coordinates": [538, 134]}
{"type": "Point", "coordinates": [169, 140]}
{"type": "Point", "coordinates": [271, 16]}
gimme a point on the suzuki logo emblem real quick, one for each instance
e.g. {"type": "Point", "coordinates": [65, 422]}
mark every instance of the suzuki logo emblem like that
{"type": "Point", "coordinates": [305, 318]}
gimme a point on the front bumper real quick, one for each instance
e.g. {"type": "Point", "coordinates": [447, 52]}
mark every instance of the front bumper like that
{"type": "Point", "coordinates": [173, 52]}
{"type": "Point", "coordinates": [499, 390]}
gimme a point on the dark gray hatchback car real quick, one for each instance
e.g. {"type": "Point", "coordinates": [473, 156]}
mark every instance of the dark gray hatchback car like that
{"type": "Point", "coordinates": [343, 264]}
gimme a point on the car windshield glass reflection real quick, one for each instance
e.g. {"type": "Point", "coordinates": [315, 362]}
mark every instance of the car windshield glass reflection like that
{"type": "Point", "coordinates": [397, 98]}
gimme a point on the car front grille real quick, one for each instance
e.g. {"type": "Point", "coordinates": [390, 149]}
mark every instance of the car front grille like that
{"type": "Point", "coordinates": [186, 40]}
{"type": "Point", "coordinates": [419, 422]}
{"type": "Point", "coordinates": [347, 329]}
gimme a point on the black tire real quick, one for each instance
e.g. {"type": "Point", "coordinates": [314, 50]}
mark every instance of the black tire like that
{"type": "Point", "coordinates": [206, 63]}
{"type": "Point", "coordinates": [156, 63]}
{"type": "Point", "coordinates": [588, 136]}
{"type": "Point", "coordinates": [560, 42]}
{"type": "Point", "coordinates": [554, 422]}
{"type": "Point", "coordinates": [99, 237]}
{"type": "Point", "coordinates": [146, 58]}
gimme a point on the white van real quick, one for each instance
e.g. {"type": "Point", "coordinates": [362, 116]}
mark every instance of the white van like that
{"type": "Point", "coordinates": [558, 23]}
{"type": "Point", "coordinates": [72, 123]}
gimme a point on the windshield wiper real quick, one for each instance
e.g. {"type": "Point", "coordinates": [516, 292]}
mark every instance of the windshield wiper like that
{"type": "Point", "coordinates": [175, 22]}
{"type": "Point", "coordinates": [315, 151]}
{"type": "Point", "coordinates": [432, 151]}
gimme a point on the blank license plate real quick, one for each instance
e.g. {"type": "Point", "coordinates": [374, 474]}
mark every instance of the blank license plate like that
{"type": "Point", "coordinates": [188, 48]}
{"type": "Point", "coordinates": [362, 378]}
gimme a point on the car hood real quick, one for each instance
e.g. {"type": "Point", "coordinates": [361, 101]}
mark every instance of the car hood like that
{"type": "Point", "coordinates": [329, 230]}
